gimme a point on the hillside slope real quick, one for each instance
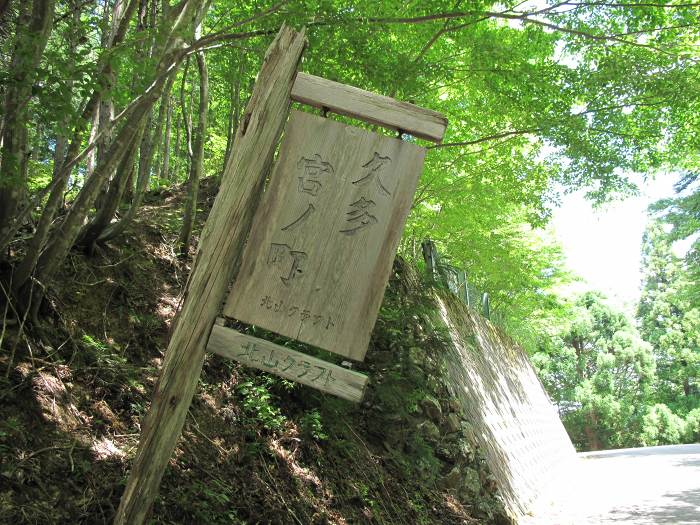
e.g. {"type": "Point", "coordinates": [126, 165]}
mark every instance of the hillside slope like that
{"type": "Point", "coordinates": [255, 448]}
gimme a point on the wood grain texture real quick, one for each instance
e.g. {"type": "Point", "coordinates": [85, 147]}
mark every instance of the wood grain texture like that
{"type": "Point", "coordinates": [324, 239]}
{"type": "Point", "coordinates": [287, 363]}
{"type": "Point", "coordinates": [219, 251]}
{"type": "Point", "coordinates": [368, 106]}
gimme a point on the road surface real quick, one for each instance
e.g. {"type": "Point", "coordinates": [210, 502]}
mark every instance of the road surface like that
{"type": "Point", "coordinates": [638, 486]}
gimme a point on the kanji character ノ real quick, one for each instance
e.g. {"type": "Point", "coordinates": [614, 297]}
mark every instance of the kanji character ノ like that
{"type": "Point", "coordinates": [300, 220]}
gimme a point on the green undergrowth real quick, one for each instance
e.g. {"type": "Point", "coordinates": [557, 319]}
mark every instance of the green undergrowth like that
{"type": "Point", "coordinates": [255, 448]}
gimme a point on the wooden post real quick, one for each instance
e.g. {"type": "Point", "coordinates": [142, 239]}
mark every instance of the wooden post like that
{"type": "Point", "coordinates": [217, 260]}
{"type": "Point", "coordinates": [429, 256]}
{"type": "Point", "coordinates": [465, 295]}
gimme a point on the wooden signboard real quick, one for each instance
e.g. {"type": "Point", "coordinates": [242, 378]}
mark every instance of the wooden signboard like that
{"type": "Point", "coordinates": [292, 365]}
{"type": "Point", "coordinates": [319, 253]}
{"type": "Point", "coordinates": [324, 238]}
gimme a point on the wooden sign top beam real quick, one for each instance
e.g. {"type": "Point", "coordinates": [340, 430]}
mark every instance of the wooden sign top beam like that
{"type": "Point", "coordinates": [370, 107]}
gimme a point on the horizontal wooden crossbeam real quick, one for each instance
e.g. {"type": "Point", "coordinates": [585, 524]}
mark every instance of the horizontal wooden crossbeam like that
{"type": "Point", "coordinates": [290, 364]}
{"type": "Point", "coordinates": [370, 107]}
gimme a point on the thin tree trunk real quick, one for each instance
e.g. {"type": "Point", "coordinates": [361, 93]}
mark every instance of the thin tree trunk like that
{"type": "Point", "coordinates": [33, 30]}
{"type": "Point", "coordinates": [234, 109]}
{"type": "Point", "coordinates": [4, 6]}
{"type": "Point", "coordinates": [171, 53]}
{"type": "Point", "coordinates": [165, 164]}
{"type": "Point", "coordinates": [59, 151]}
{"type": "Point", "coordinates": [186, 115]}
{"type": "Point", "coordinates": [111, 202]}
{"type": "Point", "coordinates": [91, 160]}
{"type": "Point", "coordinates": [144, 172]}
{"type": "Point", "coordinates": [62, 137]}
{"type": "Point", "coordinates": [176, 150]}
{"type": "Point", "coordinates": [23, 270]}
{"type": "Point", "coordinates": [96, 117]}
{"type": "Point", "coordinates": [58, 186]}
{"type": "Point", "coordinates": [38, 141]}
{"type": "Point", "coordinates": [590, 428]}
{"type": "Point", "coordinates": [197, 158]}
{"type": "Point", "coordinates": [109, 79]}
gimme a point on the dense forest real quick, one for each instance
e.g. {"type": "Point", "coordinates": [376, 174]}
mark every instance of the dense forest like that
{"type": "Point", "coordinates": [111, 106]}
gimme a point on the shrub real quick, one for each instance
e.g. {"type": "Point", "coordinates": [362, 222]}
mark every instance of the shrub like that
{"type": "Point", "coordinates": [660, 426]}
{"type": "Point", "coordinates": [692, 426]}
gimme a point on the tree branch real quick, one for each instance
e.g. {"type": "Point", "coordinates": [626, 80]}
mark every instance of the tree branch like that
{"type": "Point", "coordinates": [485, 139]}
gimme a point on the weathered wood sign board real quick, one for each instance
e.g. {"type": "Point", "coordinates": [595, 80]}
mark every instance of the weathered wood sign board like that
{"type": "Point", "coordinates": [287, 363]}
{"type": "Point", "coordinates": [324, 238]}
{"type": "Point", "coordinates": [319, 255]}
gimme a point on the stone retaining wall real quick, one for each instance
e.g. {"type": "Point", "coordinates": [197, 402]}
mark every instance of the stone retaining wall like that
{"type": "Point", "coordinates": [509, 415]}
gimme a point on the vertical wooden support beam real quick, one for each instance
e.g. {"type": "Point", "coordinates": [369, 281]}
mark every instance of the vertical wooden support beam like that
{"type": "Point", "coordinates": [463, 284]}
{"type": "Point", "coordinates": [220, 248]}
{"type": "Point", "coordinates": [429, 256]}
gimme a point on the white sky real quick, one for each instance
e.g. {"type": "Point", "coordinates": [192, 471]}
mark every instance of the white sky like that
{"type": "Point", "coordinates": [603, 246]}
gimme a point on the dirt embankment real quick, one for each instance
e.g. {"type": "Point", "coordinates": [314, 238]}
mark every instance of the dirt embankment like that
{"type": "Point", "coordinates": [255, 448]}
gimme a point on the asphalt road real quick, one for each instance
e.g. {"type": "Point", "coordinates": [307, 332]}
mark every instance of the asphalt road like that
{"type": "Point", "coordinates": [635, 486]}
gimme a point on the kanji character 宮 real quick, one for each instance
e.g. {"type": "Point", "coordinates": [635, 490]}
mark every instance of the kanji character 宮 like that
{"type": "Point", "coordinates": [359, 217]}
{"type": "Point", "coordinates": [373, 168]}
{"type": "Point", "coordinates": [314, 168]}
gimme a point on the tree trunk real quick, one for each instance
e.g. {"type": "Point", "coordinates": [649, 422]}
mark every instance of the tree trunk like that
{"type": "Point", "coordinates": [590, 428]}
{"type": "Point", "coordinates": [171, 53]}
{"type": "Point", "coordinates": [4, 6]}
{"type": "Point", "coordinates": [33, 30]}
{"type": "Point", "coordinates": [113, 198]}
{"type": "Point", "coordinates": [95, 117]}
{"type": "Point", "coordinates": [61, 179]}
{"type": "Point", "coordinates": [105, 113]}
{"type": "Point", "coordinates": [234, 109]}
{"type": "Point", "coordinates": [36, 244]}
{"type": "Point", "coordinates": [217, 259]}
{"type": "Point", "coordinates": [165, 164]}
{"type": "Point", "coordinates": [196, 164]}
{"type": "Point", "coordinates": [186, 115]}
{"type": "Point", "coordinates": [144, 172]}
